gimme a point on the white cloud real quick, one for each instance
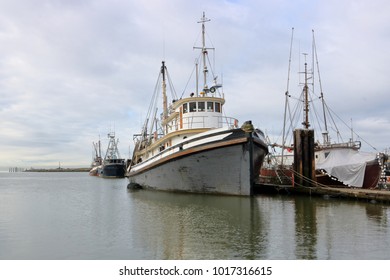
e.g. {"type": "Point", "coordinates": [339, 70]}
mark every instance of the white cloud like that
{"type": "Point", "coordinates": [70, 70]}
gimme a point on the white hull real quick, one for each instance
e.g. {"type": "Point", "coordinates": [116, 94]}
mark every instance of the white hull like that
{"type": "Point", "coordinates": [226, 166]}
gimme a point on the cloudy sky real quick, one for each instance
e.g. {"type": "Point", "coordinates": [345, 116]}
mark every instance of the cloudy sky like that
{"type": "Point", "coordinates": [71, 70]}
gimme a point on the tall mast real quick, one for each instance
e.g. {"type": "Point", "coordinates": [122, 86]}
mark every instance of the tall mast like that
{"type": "Point", "coordinates": [164, 92]}
{"type": "Point", "coordinates": [306, 101]}
{"type": "Point", "coordinates": [203, 20]}
{"type": "Point", "coordinates": [287, 96]}
{"type": "Point", "coordinates": [100, 150]}
{"type": "Point", "coordinates": [204, 50]}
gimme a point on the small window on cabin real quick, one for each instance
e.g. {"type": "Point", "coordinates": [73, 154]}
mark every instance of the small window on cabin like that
{"type": "Point", "coordinates": [201, 106]}
{"type": "Point", "coordinates": [327, 154]}
{"type": "Point", "coordinates": [210, 106]}
{"type": "Point", "coordinates": [192, 106]}
{"type": "Point", "coordinates": [217, 107]}
{"type": "Point", "coordinates": [185, 108]}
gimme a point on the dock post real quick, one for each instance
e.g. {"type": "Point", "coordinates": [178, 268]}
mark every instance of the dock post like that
{"type": "Point", "coordinates": [304, 162]}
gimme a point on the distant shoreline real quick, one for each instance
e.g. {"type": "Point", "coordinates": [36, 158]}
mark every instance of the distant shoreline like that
{"type": "Point", "coordinates": [82, 169]}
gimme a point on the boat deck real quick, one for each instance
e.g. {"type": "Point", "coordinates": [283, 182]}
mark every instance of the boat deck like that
{"type": "Point", "coordinates": [370, 195]}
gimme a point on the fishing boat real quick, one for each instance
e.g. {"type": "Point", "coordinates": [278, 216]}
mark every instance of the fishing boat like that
{"type": "Point", "coordinates": [193, 147]}
{"type": "Point", "coordinates": [344, 164]}
{"type": "Point", "coordinates": [339, 163]}
{"type": "Point", "coordinates": [96, 159]}
{"type": "Point", "coordinates": [113, 166]}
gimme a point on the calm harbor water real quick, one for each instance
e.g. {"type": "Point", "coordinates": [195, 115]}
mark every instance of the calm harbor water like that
{"type": "Point", "coordinates": [74, 216]}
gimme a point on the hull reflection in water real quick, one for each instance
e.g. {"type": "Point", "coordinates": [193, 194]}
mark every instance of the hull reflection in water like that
{"type": "Point", "coordinates": [190, 226]}
{"type": "Point", "coordinates": [195, 226]}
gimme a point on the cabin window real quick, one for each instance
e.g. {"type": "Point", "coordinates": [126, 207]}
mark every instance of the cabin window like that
{"type": "Point", "coordinates": [217, 107]}
{"type": "Point", "coordinates": [192, 106]}
{"type": "Point", "coordinates": [327, 154]}
{"type": "Point", "coordinates": [210, 106]}
{"type": "Point", "coordinates": [201, 106]}
{"type": "Point", "coordinates": [185, 108]}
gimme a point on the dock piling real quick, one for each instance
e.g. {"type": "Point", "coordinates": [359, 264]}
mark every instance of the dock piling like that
{"type": "Point", "coordinates": [304, 162]}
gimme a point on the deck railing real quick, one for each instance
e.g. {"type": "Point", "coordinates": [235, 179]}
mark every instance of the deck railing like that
{"type": "Point", "coordinates": [208, 122]}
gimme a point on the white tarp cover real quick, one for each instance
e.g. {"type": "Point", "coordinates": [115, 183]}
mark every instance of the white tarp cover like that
{"type": "Point", "coordinates": [347, 165]}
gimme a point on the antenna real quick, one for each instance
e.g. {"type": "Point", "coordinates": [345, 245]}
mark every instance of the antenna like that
{"type": "Point", "coordinates": [163, 27]}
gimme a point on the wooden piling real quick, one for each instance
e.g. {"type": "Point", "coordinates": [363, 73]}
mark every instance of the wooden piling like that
{"type": "Point", "coordinates": [304, 162]}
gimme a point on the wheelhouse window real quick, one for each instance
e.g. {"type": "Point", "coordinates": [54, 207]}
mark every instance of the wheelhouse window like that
{"type": "Point", "coordinates": [201, 107]}
{"type": "Point", "coordinates": [185, 108]}
{"type": "Point", "coordinates": [218, 107]}
{"type": "Point", "coordinates": [210, 106]}
{"type": "Point", "coordinates": [192, 106]}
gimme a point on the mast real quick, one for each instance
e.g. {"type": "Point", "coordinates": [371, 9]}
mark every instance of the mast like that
{"type": "Point", "coordinates": [306, 123]}
{"type": "Point", "coordinates": [100, 151]}
{"type": "Point", "coordinates": [112, 149]}
{"type": "Point", "coordinates": [203, 20]}
{"type": "Point", "coordinates": [287, 96]}
{"type": "Point", "coordinates": [197, 77]}
{"type": "Point", "coordinates": [204, 50]}
{"type": "Point", "coordinates": [164, 92]}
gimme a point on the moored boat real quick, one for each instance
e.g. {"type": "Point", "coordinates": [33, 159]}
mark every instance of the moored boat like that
{"type": "Point", "coordinates": [346, 165]}
{"type": "Point", "coordinates": [113, 166]}
{"type": "Point", "coordinates": [97, 159]}
{"type": "Point", "coordinates": [339, 166]}
{"type": "Point", "coordinates": [193, 147]}
{"type": "Point", "coordinates": [337, 163]}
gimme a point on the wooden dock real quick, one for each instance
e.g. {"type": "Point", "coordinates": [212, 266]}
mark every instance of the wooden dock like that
{"type": "Point", "coordinates": [368, 195]}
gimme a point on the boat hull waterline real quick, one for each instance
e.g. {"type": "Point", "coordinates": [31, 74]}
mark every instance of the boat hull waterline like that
{"type": "Point", "coordinates": [113, 170]}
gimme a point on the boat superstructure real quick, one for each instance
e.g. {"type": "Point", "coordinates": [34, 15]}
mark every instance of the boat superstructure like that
{"type": "Point", "coordinates": [193, 146]}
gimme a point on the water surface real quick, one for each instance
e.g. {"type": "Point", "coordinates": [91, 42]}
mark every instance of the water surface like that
{"type": "Point", "coordinates": [75, 216]}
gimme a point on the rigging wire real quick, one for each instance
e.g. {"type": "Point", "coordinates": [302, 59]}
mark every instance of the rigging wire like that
{"type": "Point", "coordinates": [190, 78]}
{"type": "Point", "coordinates": [171, 87]}
{"type": "Point", "coordinates": [152, 104]}
{"type": "Point", "coordinates": [324, 120]}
